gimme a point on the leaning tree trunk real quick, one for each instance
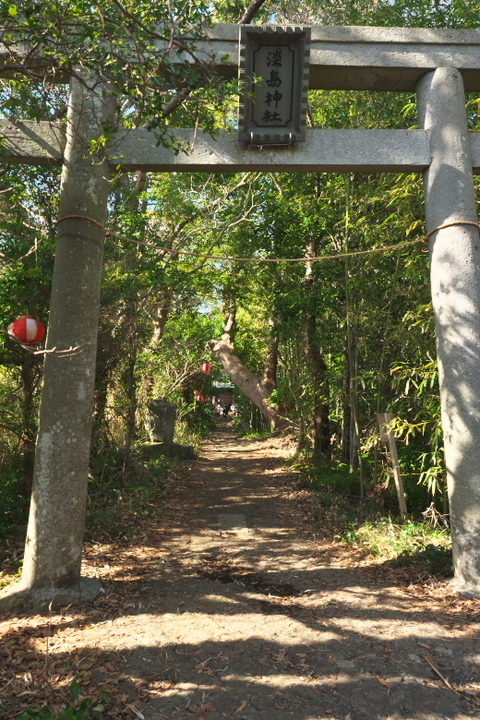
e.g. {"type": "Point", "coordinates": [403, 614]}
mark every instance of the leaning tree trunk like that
{"type": "Point", "coordinates": [256, 388]}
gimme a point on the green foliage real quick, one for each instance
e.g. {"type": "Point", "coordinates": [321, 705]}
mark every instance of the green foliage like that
{"type": "Point", "coordinates": [28, 203]}
{"type": "Point", "coordinates": [78, 708]}
{"type": "Point", "coordinates": [200, 417]}
{"type": "Point", "coordinates": [419, 401]}
{"type": "Point", "coordinates": [249, 421]}
{"type": "Point", "coordinates": [405, 544]}
{"type": "Point", "coordinates": [115, 506]}
{"type": "Point", "coordinates": [400, 13]}
{"type": "Point", "coordinates": [13, 505]}
{"type": "Point", "coordinates": [322, 476]}
{"type": "Point", "coordinates": [337, 510]}
{"type": "Point", "coordinates": [146, 51]}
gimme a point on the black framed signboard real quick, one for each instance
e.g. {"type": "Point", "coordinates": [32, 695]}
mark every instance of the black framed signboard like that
{"type": "Point", "coordinates": [273, 67]}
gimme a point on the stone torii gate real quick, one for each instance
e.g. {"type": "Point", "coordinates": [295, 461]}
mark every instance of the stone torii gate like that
{"type": "Point", "coordinates": [436, 64]}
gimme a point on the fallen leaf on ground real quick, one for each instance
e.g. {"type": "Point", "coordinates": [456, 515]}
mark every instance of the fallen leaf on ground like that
{"type": "Point", "coordinates": [200, 709]}
{"type": "Point", "coordinates": [140, 715]}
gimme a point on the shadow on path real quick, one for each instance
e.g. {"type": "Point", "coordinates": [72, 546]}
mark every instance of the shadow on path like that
{"type": "Point", "coordinates": [227, 609]}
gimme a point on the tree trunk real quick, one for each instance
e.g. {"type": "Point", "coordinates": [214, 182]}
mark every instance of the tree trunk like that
{"type": "Point", "coordinates": [54, 542]}
{"type": "Point", "coordinates": [130, 388]}
{"type": "Point", "coordinates": [251, 385]}
{"type": "Point", "coordinates": [320, 389]}
{"type": "Point", "coordinates": [163, 304]}
{"type": "Point", "coordinates": [269, 379]}
{"type": "Point", "coordinates": [99, 430]}
{"type": "Point", "coordinates": [347, 408]}
{"type": "Point", "coordinates": [318, 369]}
{"type": "Point", "coordinates": [131, 314]}
{"type": "Point", "coordinates": [27, 373]}
{"type": "Point", "coordinates": [354, 427]}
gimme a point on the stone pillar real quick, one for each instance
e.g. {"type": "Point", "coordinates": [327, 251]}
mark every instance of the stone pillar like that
{"type": "Point", "coordinates": [57, 514]}
{"type": "Point", "coordinates": [455, 283]}
{"type": "Point", "coordinates": [160, 420]}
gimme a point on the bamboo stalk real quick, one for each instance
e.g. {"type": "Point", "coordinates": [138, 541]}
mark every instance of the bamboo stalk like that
{"type": "Point", "coordinates": [387, 437]}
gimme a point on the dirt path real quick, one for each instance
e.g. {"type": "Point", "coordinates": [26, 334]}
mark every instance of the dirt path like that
{"type": "Point", "coordinates": [226, 608]}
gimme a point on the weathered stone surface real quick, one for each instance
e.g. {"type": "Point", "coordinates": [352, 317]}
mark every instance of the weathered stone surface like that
{"type": "Point", "coordinates": [368, 58]}
{"type": "Point", "coordinates": [160, 421]}
{"type": "Point", "coordinates": [323, 151]}
{"type": "Point", "coordinates": [42, 143]}
{"type": "Point", "coordinates": [455, 282]}
{"type": "Point", "coordinates": [342, 57]}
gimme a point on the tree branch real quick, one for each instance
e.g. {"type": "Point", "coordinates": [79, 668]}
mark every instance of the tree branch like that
{"type": "Point", "coordinates": [250, 12]}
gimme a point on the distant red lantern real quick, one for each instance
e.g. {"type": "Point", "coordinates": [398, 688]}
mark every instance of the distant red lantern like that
{"type": "Point", "coordinates": [199, 398]}
{"type": "Point", "coordinates": [196, 392]}
{"type": "Point", "coordinates": [26, 329]}
{"type": "Point", "coordinates": [206, 367]}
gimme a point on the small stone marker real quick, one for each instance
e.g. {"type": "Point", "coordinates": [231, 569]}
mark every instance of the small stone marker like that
{"type": "Point", "coordinates": [160, 421]}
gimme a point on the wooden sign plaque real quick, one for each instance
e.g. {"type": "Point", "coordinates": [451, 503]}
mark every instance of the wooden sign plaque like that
{"type": "Point", "coordinates": [273, 65]}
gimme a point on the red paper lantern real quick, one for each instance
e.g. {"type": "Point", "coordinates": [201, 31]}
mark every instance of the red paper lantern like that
{"type": "Point", "coordinates": [199, 398]}
{"type": "Point", "coordinates": [206, 367]}
{"type": "Point", "coordinates": [196, 392]}
{"type": "Point", "coordinates": [26, 329]}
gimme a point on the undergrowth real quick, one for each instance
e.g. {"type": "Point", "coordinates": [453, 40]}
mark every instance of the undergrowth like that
{"type": "Point", "coordinates": [77, 708]}
{"type": "Point", "coordinates": [114, 506]}
{"type": "Point", "coordinates": [405, 544]}
{"type": "Point", "coordinates": [420, 540]}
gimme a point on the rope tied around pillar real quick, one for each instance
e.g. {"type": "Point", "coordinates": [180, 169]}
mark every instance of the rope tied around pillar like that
{"type": "Point", "coordinates": [427, 237]}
